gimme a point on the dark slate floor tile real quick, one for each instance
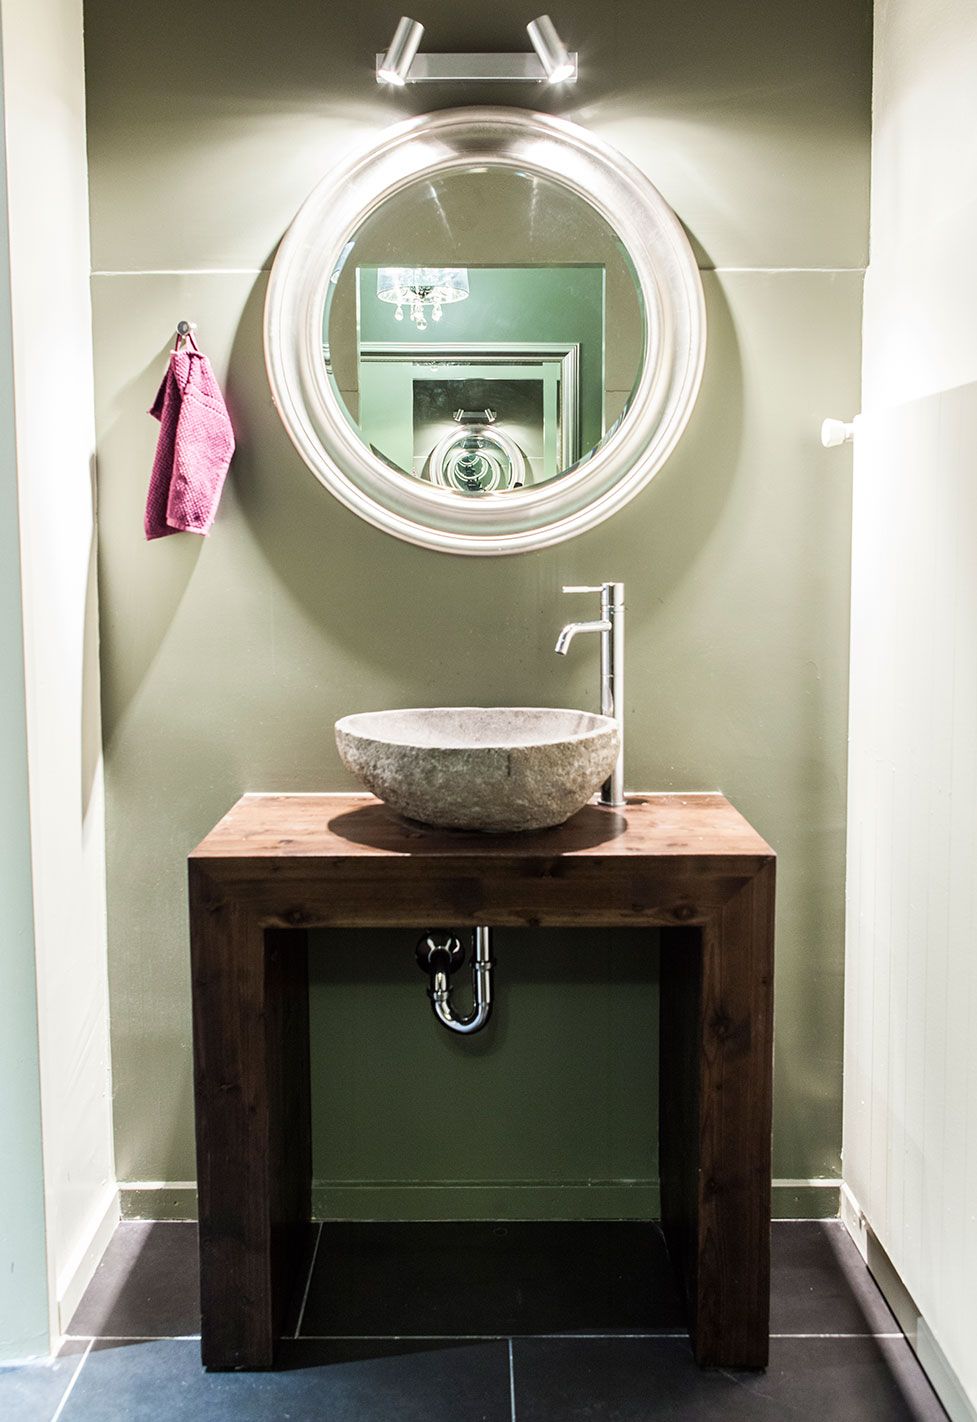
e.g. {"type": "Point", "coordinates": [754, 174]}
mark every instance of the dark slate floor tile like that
{"type": "Point", "coordinates": [475, 1279]}
{"type": "Point", "coordinates": [819, 1282]}
{"type": "Point", "coordinates": [164, 1382]}
{"type": "Point", "coordinates": [642, 1379]}
{"type": "Point", "coordinates": [31, 1392]}
{"type": "Point", "coordinates": [146, 1285]}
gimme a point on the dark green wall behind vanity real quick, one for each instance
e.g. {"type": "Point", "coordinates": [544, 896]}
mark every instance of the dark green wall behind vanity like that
{"type": "Point", "coordinates": [226, 662]}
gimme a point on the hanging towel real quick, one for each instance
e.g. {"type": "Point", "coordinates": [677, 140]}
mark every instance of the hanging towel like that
{"type": "Point", "coordinates": [195, 445]}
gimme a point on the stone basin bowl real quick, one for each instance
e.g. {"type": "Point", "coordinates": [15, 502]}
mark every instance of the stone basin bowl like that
{"type": "Point", "coordinates": [498, 768]}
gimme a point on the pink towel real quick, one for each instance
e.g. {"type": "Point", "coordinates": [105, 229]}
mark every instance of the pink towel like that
{"type": "Point", "coordinates": [195, 445]}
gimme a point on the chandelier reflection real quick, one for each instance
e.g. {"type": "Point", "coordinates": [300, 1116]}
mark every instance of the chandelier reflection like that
{"type": "Point", "coordinates": [421, 289]}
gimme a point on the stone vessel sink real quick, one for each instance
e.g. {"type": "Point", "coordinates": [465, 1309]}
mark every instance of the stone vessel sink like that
{"type": "Point", "coordinates": [498, 768]}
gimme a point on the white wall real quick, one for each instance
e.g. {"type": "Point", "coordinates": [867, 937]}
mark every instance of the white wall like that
{"type": "Point", "coordinates": [921, 285]}
{"type": "Point", "coordinates": [53, 402]}
{"type": "Point", "coordinates": [910, 1137]}
{"type": "Point", "coordinates": [24, 1322]}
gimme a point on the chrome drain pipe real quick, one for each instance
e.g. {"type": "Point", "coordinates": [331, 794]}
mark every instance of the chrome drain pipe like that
{"type": "Point", "coordinates": [441, 954]}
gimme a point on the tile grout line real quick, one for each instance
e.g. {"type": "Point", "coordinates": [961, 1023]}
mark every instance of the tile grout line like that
{"type": "Point", "coordinates": [308, 1283]}
{"type": "Point", "coordinates": [648, 1337]}
{"type": "Point", "coordinates": [837, 1335]}
{"type": "Point", "coordinates": [480, 1337]}
{"type": "Point", "coordinates": [563, 1337]}
{"type": "Point", "coordinates": [512, 1385]}
{"type": "Point", "coordinates": [72, 1380]}
{"type": "Point", "coordinates": [133, 1337]}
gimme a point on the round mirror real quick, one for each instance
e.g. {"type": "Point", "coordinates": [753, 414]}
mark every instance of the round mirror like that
{"type": "Point", "coordinates": [485, 330]}
{"type": "Point", "coordinates": [485, 333]}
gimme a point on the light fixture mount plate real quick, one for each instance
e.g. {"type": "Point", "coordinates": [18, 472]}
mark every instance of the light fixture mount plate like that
{"type": "Point", "coordinates": [481, 68]}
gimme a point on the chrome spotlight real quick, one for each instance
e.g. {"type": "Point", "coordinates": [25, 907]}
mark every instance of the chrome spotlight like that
{"type": "Point", "coordinates": [395, 65]}
{"type": "Point", "coordinates": [552, 52]}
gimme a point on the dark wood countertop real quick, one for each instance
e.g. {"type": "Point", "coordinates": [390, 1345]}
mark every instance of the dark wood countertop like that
{"type": "Point", "coordinates": [330, 826]}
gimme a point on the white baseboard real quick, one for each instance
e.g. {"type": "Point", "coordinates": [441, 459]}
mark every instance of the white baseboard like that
{"type": "Point", "coordinates": [853, 1220]}
{"type": "Point", "coordinates": [945, 1382]}
{"type": "Point", "coordinates": [76, 1275]}
{"type": "Point", "coordinates": [932, 1359]}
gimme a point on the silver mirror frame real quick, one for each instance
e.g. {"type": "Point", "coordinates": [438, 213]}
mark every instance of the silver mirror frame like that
{"type": "Point", "coordinates": [630, 454]}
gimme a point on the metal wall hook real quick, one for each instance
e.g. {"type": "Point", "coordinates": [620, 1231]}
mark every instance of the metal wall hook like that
{"type": "Point", "coordinates": [184, 333]}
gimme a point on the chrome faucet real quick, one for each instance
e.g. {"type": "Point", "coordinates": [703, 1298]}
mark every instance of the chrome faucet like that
{"type": "Point", "coordinates": [610, 625]}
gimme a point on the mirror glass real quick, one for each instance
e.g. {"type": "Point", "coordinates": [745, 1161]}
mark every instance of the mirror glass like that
{"type": "Point", "coordinates": [484, 330]}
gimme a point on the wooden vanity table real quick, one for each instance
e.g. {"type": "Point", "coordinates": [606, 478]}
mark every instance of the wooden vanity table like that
{"type": "Point", "coordinates": [278, 865]}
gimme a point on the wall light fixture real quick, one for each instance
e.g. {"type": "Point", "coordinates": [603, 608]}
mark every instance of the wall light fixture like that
{"type": "Point", "coordinates": [394, 66]}
{"type": "Point", "coordinates": [557, 63]}
{"type": "Point", "coordinates": [551, 63]}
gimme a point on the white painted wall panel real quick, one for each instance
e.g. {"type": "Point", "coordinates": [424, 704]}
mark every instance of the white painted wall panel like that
{"type": "Point", "coordinates": [911, 1027]}
{"type": "Point", "coordinates": [24, 1313]}
{"type": "Point", "coordinates": [54, 423]}
{"type": "Point", "coordinates": [921, 287]}
{"type": "Point", "coordinates": [910, 1132]}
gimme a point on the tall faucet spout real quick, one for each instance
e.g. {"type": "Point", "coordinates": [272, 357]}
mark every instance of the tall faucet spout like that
{"type": "Point", "coordinates": [610, 625]}
{"type": "Point", "coordinates": [572, 628]}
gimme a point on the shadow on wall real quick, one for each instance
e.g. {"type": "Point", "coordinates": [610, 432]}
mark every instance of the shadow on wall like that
{"type": "Point", "coordinates": [376, 960]}
{"type": "Point", "coordinates": [295, 611]}
{"type": "Point", "coordinates": [163, 579]}
{"type": "Point", "coordinates": [718, 101]}
{"type": "Point", "coordinates": [385, 609]}
{"type": "Point", "coordinates": [227, 662]}
{"type": "Point", "coordinates": [501, 612]}
{"type": "Point", "coordinates": [91, 721]}
{"type": "Point", "coordinates": [572, 1039]}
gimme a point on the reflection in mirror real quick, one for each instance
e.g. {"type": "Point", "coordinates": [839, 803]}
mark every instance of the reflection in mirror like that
{"type": "Point", "coordinates": [484, 330]}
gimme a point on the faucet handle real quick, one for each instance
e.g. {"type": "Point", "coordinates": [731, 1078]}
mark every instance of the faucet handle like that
{"type": "Point", "coordinates": [611, 594]}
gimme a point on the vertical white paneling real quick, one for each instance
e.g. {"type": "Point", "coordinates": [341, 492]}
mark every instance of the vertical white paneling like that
{"type": "Point", "coordinates": [43, 59]}
{"type": "Point", "coordinates": [24, 1319]}
{"type": "Point", "coordinates": [910, 1150]}
{"type": "Point", "coordinates": [911, 1028]}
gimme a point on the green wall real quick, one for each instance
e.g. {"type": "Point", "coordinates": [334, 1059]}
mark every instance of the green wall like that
{"type": "Point", "coordinates": [23, 1259]}
{"type": "Point", "coordinates": [225, 663]}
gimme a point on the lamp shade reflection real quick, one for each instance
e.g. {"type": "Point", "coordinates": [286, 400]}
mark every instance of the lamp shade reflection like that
{"type": "Point", "coordinates": [420, 288]}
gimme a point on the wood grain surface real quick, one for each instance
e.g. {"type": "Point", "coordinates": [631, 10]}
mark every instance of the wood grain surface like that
{"type": "Point", "coordinates": [277, 865]}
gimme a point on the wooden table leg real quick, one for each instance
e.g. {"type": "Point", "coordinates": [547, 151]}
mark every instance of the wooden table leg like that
{"type": "Point", "coordinates": [716, 1093]}
{"type": "Point", "coordinates": [254, 1167]}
